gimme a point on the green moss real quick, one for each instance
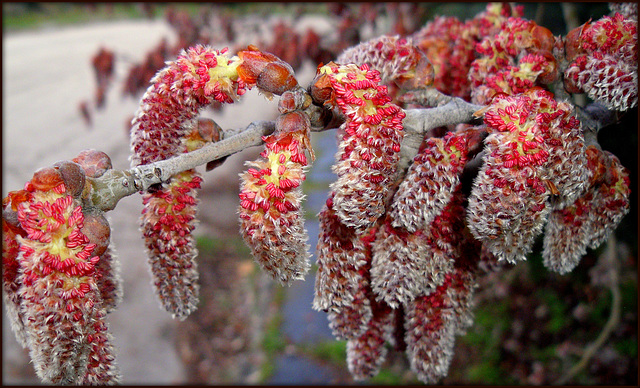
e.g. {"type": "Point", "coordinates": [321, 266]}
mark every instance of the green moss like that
{"type": "Point", "coordinates": [334, 352]}
{"type": "Point", "coordinates": [544, 354]}
{"type": "Point", "coordinates": [266, 370]}
{"type": "Point", "coordinates": [558, 310]}
{"type": "Point", "coordinates": [485, 337]}
{"type": "Point", "coordinates": [211, 245]}
{"type": "Point", "coordinates": [537, 271]}
{"type": "Point", "coordinates": [309, 186]}
{"type": "Point", "coordinates": [629, 293]}
{"type": "Point", "coordinates": [486, 372]}
{"type": "Point", "coordinates": [208, 244]}
{"type": "Point", "coordinates": [388, 377]}
{"type": "Point", "coordinates": [273, 342]}
{"type": "Point", "coordinates": [490, 321]}
{"type": "Point", "coordinates": [601, 309]}
{"type": "Point", "coordinates": [628, 347]}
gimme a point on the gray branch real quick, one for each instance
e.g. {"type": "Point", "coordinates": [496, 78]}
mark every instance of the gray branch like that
{"type": "Point", "coordinates": [153, 173]}
{"type": "Point", "coordinates": [419, 123]}
{"type": "Point", "coordinates": [115, 185]}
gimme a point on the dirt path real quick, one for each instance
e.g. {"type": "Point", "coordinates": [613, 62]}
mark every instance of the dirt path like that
{"type": "Point", "coordinates": [46, 74]}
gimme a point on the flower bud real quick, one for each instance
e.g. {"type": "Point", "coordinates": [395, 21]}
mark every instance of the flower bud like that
{"type": "Point", "coordinates": [342, 279]}
{"type": "Point", "coordinates": [73, 176]}
{"type": "Point", "coordinates": [367, 352]}
{"type": "Point", "coordinates": [430, 334]}
{"type": "Point", "coordinates": [604, 61]}
{"type": "Point", "coordinates": [60, 302]}
{"type": "Point", "coordinates": [321, 89]}
{"type": "Point", "coordinates": [94, 163]}
{"type": "Point", "coordinates": [573, 42]}
{"type": "Point", "coordinates": [591, 218]}
{"type": "Point", "coordinates": [370, 148]}
{"type": "Point", "coordinates": [46, 179]}
{"type": "Point", "coordinates": [97, 229]}
{"type": "Point", "coordinates": [164, 127]}
{"type": "Point", "coordinates": [536, 145]}
{"type": "Point", "coordinates": [396, 59]}
{"type": "Point", "coordinates": [270, 73]}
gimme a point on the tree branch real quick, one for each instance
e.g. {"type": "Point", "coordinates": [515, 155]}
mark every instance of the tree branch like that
{"type": "Point", "coordinates": [116, 184]}
{"type": "Point", "coordinates": [420, 122]}
{"type": "Point", "coordinates": [153, 173]}
{"type": "Point", "coordinates": [594, 117]}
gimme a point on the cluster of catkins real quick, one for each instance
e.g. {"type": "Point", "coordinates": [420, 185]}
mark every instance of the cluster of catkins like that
{"type": "Point", "coordinates": [603, 58]}
{"type": "Point", "coordinates": [450, 45]}
{"type": "Point", "coordinates": [166, 125]}
{"type": "Point", "coordinates": [60, 274]}
{"type": "Point", "coordinates": [163, 128]}
{"type": "Point", "coordinates": [397, 263]}
{"type": "Point", "coordinates": [399, 251]}
{"type": "Point", "coordinates": [400, 274]}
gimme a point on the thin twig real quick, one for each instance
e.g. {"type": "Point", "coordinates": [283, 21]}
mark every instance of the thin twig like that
{"type": "Point", "coordinates": [111, 187]}
{"type": "Point", "coordinates": [153, 173]}
{"type": "Point", "coordinates": [609, 256]}
{"type": "Point", "coordinates": [455, 111]}
{"type": "Point", "coordinates": [419, 123]}
{"type": "Point", "coordinates": [115, 184]}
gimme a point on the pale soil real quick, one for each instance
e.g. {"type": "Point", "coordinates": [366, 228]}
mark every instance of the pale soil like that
{"type": "Point", "coordinates": [46, 74]}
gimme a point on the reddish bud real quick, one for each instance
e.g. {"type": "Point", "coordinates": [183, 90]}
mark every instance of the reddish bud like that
{"type": "Point", "coordinates": [287, 103]}
{"type": "Point", "coordinates": [543, 38]}
{"type": "Point", "coordinates": [266, 70]}
{"type": "Point", "coordinates": [46, 179]}
{"type": "Point", "coordinates": [93, 162]}
{"type": "Point", "coordinates": [277, 78]}
{"type": "Point", "coordinates": [290, 101]}
{"type": "Point", "coordinates": [572, 42]}
{"type": "Point", "coordinates": [97, 229]}
{"type": "Point", "coordinates": [14, 198]}
{"type": "Point", "coordinates": [209, 130]}
{"type": "Point", "coordinates": [291, 122]}
{"type": "Point", "coordinates": [10, 218]}
{"type": "Point", "coordinates": [72, 175]}
{"type": "Point", "coordinates": [321, 89]}
{"type": "Point", "coordinates": [423, 74]}
{"type": "Point", "coordinates": [550, 70]}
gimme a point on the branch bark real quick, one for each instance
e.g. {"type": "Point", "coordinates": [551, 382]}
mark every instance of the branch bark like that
{"type": "Point", "coordinates": [115, 185]}
{"type": "Point", "coordinates": [153, 173]}
{"type": "Point", "coordinates": [420, 122]}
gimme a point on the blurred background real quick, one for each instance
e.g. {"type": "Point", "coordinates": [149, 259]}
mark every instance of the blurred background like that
{"type": "Point", "coordinates": [73, 74]}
